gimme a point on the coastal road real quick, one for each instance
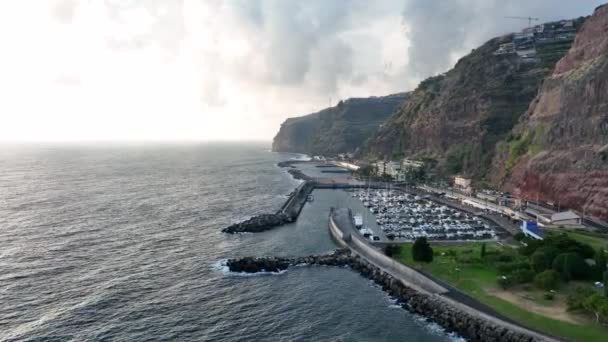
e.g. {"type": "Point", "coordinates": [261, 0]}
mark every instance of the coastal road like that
{"type": "Point", "coordinates": [359, 245]}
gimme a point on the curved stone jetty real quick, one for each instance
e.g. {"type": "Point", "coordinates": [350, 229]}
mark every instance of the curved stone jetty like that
{"type": "Point", "coordinates": [451, 316]}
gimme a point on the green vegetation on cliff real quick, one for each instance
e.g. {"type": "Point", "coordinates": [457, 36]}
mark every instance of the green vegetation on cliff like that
{"type": "Point", "coordinates": [459, 117]}
{"type": "Point", "coordinates": [338, 129]}
{"type": "Point", "coordinates": [565, 159]}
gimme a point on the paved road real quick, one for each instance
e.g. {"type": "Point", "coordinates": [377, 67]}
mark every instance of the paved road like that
{"type": "Point", "coordinates": [410, 277]}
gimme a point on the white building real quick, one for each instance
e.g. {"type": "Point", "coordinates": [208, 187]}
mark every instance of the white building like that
{"type": "Point", "coordinates": [392, 169]}
{"type": "Point", "coordinates": [462, 182]}
{"type": "Point", "coordinates": [566, 218]}
{"type": "Point", "coordinates": [379, 167]}
{"type": "Point", "coordinates": [411, 164]}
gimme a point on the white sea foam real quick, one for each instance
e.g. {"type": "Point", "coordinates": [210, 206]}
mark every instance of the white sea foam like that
{"type": "Point", "coordinates": [221, 266]}
{"type": "Point", "coordinates": [301, 156]}
{"type": "Point", "coordinates": [432, 327]}
{"type": "Point", "coordinates": [394, 303]}
{"type": "Point", "coordinates": [437, 329]}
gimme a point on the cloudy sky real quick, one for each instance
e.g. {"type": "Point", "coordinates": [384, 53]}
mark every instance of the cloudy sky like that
{"type": "Point", "coordinates": [225, 70]}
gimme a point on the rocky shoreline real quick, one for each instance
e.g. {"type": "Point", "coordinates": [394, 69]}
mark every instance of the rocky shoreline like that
{"type": "Point", "coordinates": [433, 307]}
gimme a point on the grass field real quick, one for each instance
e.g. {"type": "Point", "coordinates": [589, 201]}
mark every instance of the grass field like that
{"type": "Point", "coordinates": [462, 267]}
{"type": "Point", "coordinates": [596, 240]}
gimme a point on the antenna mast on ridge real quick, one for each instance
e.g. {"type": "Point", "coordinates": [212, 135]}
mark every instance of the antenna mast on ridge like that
{"type": "Point", "coordinates": [529, 19]}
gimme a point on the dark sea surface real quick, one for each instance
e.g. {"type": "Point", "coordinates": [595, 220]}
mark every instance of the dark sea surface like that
{"type": "Point", "coordinates": [123, 243]}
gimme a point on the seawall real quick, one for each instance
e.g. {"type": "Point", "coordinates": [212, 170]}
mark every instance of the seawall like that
{"type": "Point", "coordinates": [421, 294]}
{"type": "Point", "coordinates": [414, 291]}
{"type": "Point", "coordinates": [341, 227]}
{"type": "Point", "coordinates": [288, 213]}
{"type": "Point", "coordinates": [451, 315]}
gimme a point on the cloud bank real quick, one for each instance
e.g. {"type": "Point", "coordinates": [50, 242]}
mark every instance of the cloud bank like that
{"type": "Point", "coordinates": [210, 69]}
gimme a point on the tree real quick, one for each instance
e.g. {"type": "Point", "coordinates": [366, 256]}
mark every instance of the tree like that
{"type": "Point", "coordinates": [421, 250]}
{"type": "Point", "coordinates": [558, 263]}
{"type": "Point", "coordinates": [531, 246]}
{"type": "Point", "coordinates": [366, 171]}
{"type": "Point", "coordinates": [606, 284]}
{"type": "Point", "coordinates": [482, 253]}
{"type": "Point", "coordinates": [542, 258]}
{"type": "Point", "coordinates": [505, 282]}
{"type": "Point", "coordinates": [391, 250]}
{"type": "Point", "coordinates": [575, 298]}
{"type": "Point", "coordinates": [598, 305]}
{"type": "Point", "coordinates": [519, 236]}
{"type": "Point", "coordinates": [522, 276]}
{"type": "Point", "coordinates": [538, 261]}
{"type": "Point", "coordinates": [546, 280]}
{"type": "Point", "coordinates": [571, 266]}
{"type": "Point", "coordinates": [565, 244]}
{"type": "Point", "coordinates": [600, 263]}
{"type": "Point", "coordinates": [575, 267]}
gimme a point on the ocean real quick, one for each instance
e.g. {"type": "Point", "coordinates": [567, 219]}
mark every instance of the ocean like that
{"type": "Point", "coordinates": [122, 242]}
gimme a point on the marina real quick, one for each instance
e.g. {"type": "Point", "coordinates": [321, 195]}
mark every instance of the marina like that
{"type": "Point", "coordinates": [405, 217]}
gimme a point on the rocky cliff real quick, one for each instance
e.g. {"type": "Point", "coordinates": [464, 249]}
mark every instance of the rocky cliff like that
{"type": "Point", "coordinates": [559, 150]}
{"type": "Point", "coordinates": [458, 117]}
{"type": "Point", "coordinates": [338, 129]}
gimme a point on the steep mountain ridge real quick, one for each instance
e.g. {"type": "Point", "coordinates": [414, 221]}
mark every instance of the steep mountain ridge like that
{"type": "Point", "coordinates": [338, 129]}
{"type": "Point", "coordinates": [559, 150]}
{"type": "Point", "coordinates": [457, 118]}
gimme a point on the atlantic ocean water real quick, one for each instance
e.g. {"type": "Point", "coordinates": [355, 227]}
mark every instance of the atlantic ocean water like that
{"type": "Point", "coordinates": [123, 243]}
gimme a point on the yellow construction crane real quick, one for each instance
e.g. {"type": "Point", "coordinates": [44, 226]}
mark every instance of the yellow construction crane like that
{"type": "Point", "coordinates": [529, 19]}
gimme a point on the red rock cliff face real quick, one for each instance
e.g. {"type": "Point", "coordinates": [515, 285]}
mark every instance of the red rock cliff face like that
{"type": "Point", "coordinates": [559, 150]}
{"type": "Point", "coordinates": [456, 118]}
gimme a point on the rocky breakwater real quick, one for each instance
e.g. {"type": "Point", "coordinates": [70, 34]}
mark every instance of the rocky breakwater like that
{"type": "Point", "coordinates": [340, 257]}
{"type": "Point", "coordinates": [288, 213]}
{"type": "Point", "coordinates": [298, 174]}
{"type": "Point", "coordinates": [259, 223]}
{"type": "Point", "coordinates": [435, 308]}
{"type": "Point", "coordinates": [294, 171]}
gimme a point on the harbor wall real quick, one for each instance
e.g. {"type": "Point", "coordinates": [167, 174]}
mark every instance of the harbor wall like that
{"type": "Point", "coordinates": [358, 245]}
{"type": "Point", "coordinates": [294, 204]}
{"type": "Point", "coordinates": [451, 315]}
{"type": "Point", "coordinates": [289, 212]}
{"type": "Point", "coordinates": [336, 233]}
{"type": "Point", "coordinates": [420, 294]}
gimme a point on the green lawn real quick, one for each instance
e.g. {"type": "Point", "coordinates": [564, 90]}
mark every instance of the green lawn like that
{"type": "Point", "coordinates": [457, 265]}
{"type": "Point", "coordinates": [596, 240]}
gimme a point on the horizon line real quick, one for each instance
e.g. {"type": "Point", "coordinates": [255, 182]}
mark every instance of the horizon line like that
{"type": "Point", "coordinates": [131, 141]}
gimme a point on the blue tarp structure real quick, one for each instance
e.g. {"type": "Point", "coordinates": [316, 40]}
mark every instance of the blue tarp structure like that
{"type": "Point", "coordinates": [532, 229]}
